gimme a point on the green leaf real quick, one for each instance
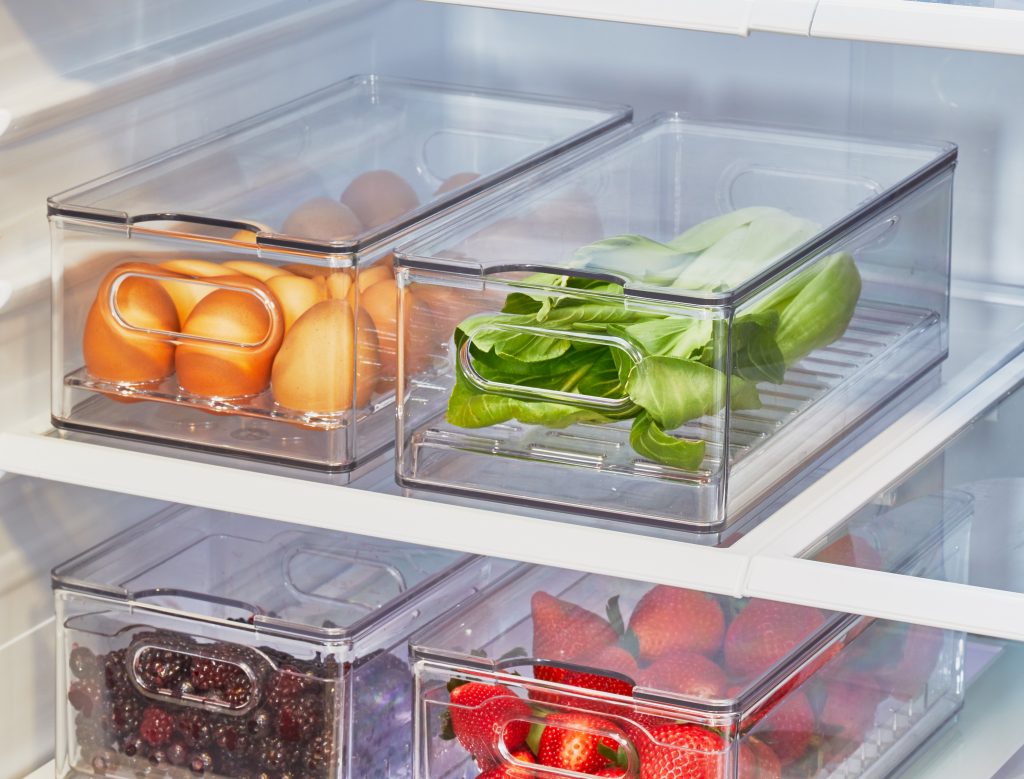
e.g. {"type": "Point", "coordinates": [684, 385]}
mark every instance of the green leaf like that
{"type": "Point", "coordinates": [471, 408]}
{"type": "Point", "coordinates": [454, 684]}
{"type": "Point", "coordinates": [650, 441]}
{"type": "Point", "coordinates": [711, 231]}
{"type": "Point", "coordinates": [631, 256]}
{"type": "Point", "coordinates": [668, 337]}
{"type": "Point", "coordinates": [743, 394]}
{"type": "Point", "coordinates": [614, 613]}
{"type": "Point", "coordinates": [821, 311]}
{"type": "Point", "coordinates": [609, 754]}
{"type": "Point", "coordinates": [518, 303]}
{"type": "Point", "coordinates": [533, 737]}
{"type": "Point", "coordinates": [674, 391]}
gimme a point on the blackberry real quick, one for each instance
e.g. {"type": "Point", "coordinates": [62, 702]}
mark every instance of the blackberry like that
{"type": "Point", "coordinates": [85, 696]}
{"type": "Point", "coordinates": [89, 733]}
{"type": "Point", "coordinates": [238, 689]}
{"type": "Point", "coordinates": [157, 726]}
{"type": "Point", "coordinates": [114, 673]}
{"type": "Point", "coordinates": [299, 719]}
{"type": "Point", "coordinates": [287, 684]}
{"type": "Point", "coordinates": [318, 756]}
{"type": "Point", "coordinates": [83, 663]}
{"type": "Point", "coordinates": [124, 714]}
{"type": "Point", "coordinates": [195, 728]}
{"type": "Point", "coordinates": [271, 754]}
{"type": "Point", "coordinates": [230, 738]}
{"type": "Point", "coordinates": [161, 669]}
{"type": "Point", "coordinates": [210, 674]}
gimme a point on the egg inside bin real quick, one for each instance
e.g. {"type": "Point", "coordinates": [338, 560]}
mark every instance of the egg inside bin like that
{"type": "Point", "coordinates": [379, 196]}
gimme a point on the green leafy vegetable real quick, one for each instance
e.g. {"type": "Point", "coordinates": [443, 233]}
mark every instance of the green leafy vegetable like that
{"type": "Point", "coordinates": [673, 371]}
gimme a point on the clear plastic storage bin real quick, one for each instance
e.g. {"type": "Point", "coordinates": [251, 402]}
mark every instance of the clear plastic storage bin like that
{"type": "Point", "coordinates": [242, 285]}
{"type": "Point", "coordinates": [219, 645]}
{"type": "Point", "coordinates": [550, 673]}
{"type": "Point", "coordinates": [665, 327]}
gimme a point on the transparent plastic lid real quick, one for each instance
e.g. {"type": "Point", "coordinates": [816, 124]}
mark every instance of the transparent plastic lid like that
{"type": "Point", "coordinates": [680, 210]}
{"type": "Point", "coordinates": [258, 573]}
{"type": "Point", "coordinates": [669, 645]}
{"type": "Point", "coordinates": [342, 168]}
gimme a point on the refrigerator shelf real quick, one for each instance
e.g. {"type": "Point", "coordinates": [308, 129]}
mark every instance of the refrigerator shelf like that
{"type": "Point", "coordinates": [970, 25]}
{"type": "Point", "coordinates": [762, 563]}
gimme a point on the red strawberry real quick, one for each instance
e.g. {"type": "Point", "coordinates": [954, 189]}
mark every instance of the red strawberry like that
{"type": "Point", "coordinates": [611, 658]}
{"type": "Point", "coordinates": [566, 632]}
{"type": "Point", "coordinates": [758, 761]}
{"type": "Point", "coordinates": [507, 771]}
{"type": "Point", "coordinates": [571, 742]}
{"type": "Point", "coordinates": [765, 632]}
{"type": "Point", "coordinates": [670, 618]}
{"type": "Point", "coordinates": [686, 673]}
{"type": "Point", "coordinates": [483, 713]}
{"type": "Point", "coordinates": [921, 650]}
{"type": "Point", "coordinates": [681, 752]}
{"type": "Point", "coordinates": [789, 727]}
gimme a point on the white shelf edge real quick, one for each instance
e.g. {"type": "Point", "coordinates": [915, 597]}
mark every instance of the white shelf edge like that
{"type": "Point", "coordinates": [494, 533]}
{"type": "Point", "coordinates": [908, 22]}
{"type": "Point", "coordinates": [941, 25]}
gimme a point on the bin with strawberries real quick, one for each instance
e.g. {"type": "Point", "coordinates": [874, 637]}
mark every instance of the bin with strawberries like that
{"type": "Point", "coordinates": [554, 674]}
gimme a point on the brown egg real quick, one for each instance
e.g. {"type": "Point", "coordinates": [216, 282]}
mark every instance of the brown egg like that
{"type": "Point", "coordinates": [313, 370]}
{"type": "Point", "coordinates": [379, 196]}
{"type": "Point", "coordinates": [186, 294]}
{"type": "Point", "coordinates": [450, 306]}
{"type": "Point", "coordinates": [381, 302]}
{"type": "Point", "coordinates": [248, 336]}
{"type": "Point", "coordinates": [296, 295]}
{"type": "Point", "coordinates": [339, 285]}
{"type": "Point", "coordinates": [371, 275]}
{"type": "Point", "coordinates": [323, 219]}
{"type": "Point", "coordinates": [307, 271]}
{"type": "Point", "coordinates": [258, 270]}
{"type": "Point", "coordinates": [456, 181]}
{"type": "Point", "coordinates": [115, 353]}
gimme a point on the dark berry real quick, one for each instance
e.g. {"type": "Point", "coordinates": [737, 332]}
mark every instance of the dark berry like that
{"type": "Point", "coordinates": [259, 723]}
{"type": "Point", "coordinates": [134, 746]}
{"type": "Point", "coordinates": [114, 673]}
{"type": "Point", "coordinates": [195, 728]}
{"type": "Point", "coordinates": [271, 754]}
{"type": "Point", "coordinates": [84, 696]}
{"type": "Point", "coordinates": [299, 720]}
{"type": "Point", "coordinates": [161, 669]}
{"type": "Point", "coordinates": [83, 663]}
{"type": "Point", "coordinates": [157, 726]}
{"type": "Point", "coordinates": [125, 714]}
{"type": "Point", "coordinates": [210, 674]}
{"type": "Point", "coordinates": [285, 685]}
{"type": "Point", "coordinates": [238, 689]}
{"type": "Point", "coordinates": [200, 763]}
{"type": "Point", "coordinates": [318, 756]}
{"type": "Point", "coordinates": [158, 757]}
{"type": "Point", "coordinates": [89, 733]}
{"type": "Point", "coordinates": [229, 737]}
{"type": "Point", "coordinates": [177, 753]}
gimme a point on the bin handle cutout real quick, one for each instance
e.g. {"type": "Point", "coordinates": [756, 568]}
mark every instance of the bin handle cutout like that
{"type": "Point", "coordinates": [135, 656]}
{"type": "Point", "coordinates": [526, 392]}
{"type": "Point", "coordinates": [106, 298]}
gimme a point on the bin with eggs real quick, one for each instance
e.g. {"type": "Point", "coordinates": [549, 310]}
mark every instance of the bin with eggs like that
{"type": "Point", "coordinates": [244, 285]}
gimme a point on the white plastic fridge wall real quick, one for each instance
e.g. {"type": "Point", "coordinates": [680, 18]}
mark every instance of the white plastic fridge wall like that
{"type": "Point", "coordinates": [969, 97]}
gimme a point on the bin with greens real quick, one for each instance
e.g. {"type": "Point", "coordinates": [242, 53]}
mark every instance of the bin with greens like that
{"type": "Point", "coordinates": [675, 372]}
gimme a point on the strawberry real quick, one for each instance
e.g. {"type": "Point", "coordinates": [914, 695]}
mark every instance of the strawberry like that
{"type": "Point", "coordinates": [483, 713]}
{"type": "Point", "coordinates": [758, 761]}
{"type": "Point", "coordinates": [508, 771]}
{"type": "Point", "coordinates": [669, 618]}
{"type": "Point", "coordinates": [765, 632]}
{"type": "Point", "coordinates": [681, 751]}
{"type": "Point", "coordinates": [572, 741]}
{"type": "Point", "coordinates": [853, 551]}
{"type": "Point", "coordinates": [789, 727]}
{"type": "Point", "coordinates": [686, 673]}
{"type": "Point", "coordinates": [611, 658]}
{"type": "Point", "coordinates": [565, 632]}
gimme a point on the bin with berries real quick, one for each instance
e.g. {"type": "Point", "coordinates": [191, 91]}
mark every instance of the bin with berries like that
{"type": "Point", "coordinates": [210, 644]}
{"type": "Point", "coordinates": [551, 674]}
